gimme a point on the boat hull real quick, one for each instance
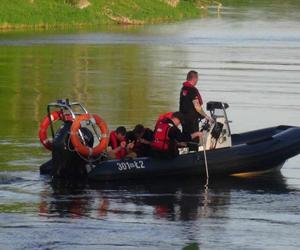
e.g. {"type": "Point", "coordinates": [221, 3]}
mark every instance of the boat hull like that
{"type": "Point", "coordinates": [253, 152]}
{"type": "Point", "coordinates": [253, 155]}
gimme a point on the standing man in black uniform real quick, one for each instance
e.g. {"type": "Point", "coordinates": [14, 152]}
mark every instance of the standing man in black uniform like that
{"type": "Point", "coordinates": [190, 104]}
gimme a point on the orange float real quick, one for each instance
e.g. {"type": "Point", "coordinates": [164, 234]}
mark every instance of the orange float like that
{"type": "Point", "coordinates": [54, 116]}
{"type": "Point", "coordinates": [76, 139]}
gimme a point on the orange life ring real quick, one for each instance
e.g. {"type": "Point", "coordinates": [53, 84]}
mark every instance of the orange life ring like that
{"type": "Point", "coordinates": [76, 140]}
{"type": "Point", "coordinates": [55, 115]}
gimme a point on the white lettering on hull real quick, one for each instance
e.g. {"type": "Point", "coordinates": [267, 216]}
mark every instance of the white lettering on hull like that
{"type": "Point", "coordinates": [127, 166]}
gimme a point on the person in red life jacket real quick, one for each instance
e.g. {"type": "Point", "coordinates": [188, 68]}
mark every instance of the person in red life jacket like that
{"type": "Point", "coordinates": [117, 146]}
{"type": "Point", "coordinates": [163, 117]}
{"type": "Point", "coordinates": [190, 104]}
{"type": "Point", "coordinates": [142, 138]}
{"type": "Point", "coordinates": [168, 137]}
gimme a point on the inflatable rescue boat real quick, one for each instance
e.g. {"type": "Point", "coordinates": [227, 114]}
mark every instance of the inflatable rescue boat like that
{"type": "Point", "coordinates": [78, 148]}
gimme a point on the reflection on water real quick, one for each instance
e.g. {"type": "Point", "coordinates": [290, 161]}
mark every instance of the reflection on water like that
{"type": "Point", "coordinates": [170, 199]}
{"type": "Point", "coordinates": [161, 214]}
{"type": "Point", "coordinates": [247, 56]}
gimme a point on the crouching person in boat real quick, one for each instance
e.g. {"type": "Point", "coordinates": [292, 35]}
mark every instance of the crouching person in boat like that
{"type": "Point", "coordinates": [117, 146]}
{"type": "Point", "coordinates": [142, 138]}
{"type": "Point", "coordinates": [168, 137]}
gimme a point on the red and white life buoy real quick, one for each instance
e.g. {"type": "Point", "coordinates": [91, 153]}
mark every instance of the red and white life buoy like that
{"type": "Point", "coordinates": [55, 116]}
{"type": "Point", "coordinates": [76, 139]}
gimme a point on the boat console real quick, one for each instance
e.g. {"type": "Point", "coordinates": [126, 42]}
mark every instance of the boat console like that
{"type": "Point", "coordinates": [217, 134]}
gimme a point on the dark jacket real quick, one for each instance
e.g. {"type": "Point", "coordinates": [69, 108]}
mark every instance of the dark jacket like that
{"type": "Point", "coordinates": [188, 94]}
{"type": "Point", "coordinates": [140, 149]}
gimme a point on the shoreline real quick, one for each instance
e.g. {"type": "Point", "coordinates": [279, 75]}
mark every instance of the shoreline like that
{"type": "Point", "coordinates": [43, 15]}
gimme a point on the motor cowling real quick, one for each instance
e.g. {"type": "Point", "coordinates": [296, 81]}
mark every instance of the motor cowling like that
{"type": "Point", "coordinates": [66, 162]}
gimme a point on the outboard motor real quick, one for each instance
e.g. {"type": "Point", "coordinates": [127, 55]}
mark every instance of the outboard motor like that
{"type": "Point", "coordinates": [73, 143]}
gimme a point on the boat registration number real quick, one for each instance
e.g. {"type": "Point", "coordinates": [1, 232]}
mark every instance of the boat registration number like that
{"type": "Point", "coordinates": [125, 166]}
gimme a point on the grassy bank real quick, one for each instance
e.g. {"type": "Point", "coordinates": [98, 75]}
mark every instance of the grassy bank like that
{"type": "Point", "coordinates": [70, 13]}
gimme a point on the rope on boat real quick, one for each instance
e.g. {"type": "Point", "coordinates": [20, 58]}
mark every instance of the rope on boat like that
{"type": "Point", "coordinates": [205, 161]}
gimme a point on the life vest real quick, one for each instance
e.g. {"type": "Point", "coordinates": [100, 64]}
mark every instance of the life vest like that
{"type": "Point", "coordinates": [54, 116]}
{"type": "Point", "coordinates": [161, 138]}
{"type": "Point", "coordinates": [114, 143]}
{"type": "Point", "coordinates": [77, 142]}
{"type": "Point", "coordinates": [162, 118]}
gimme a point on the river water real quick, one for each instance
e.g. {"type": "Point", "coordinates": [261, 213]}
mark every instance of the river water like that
{"type": "Point", "coordinates": [247, 55]}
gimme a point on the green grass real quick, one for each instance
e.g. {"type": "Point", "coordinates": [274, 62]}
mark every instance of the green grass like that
{"type": "Point", "coordinates": [58, 13]}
